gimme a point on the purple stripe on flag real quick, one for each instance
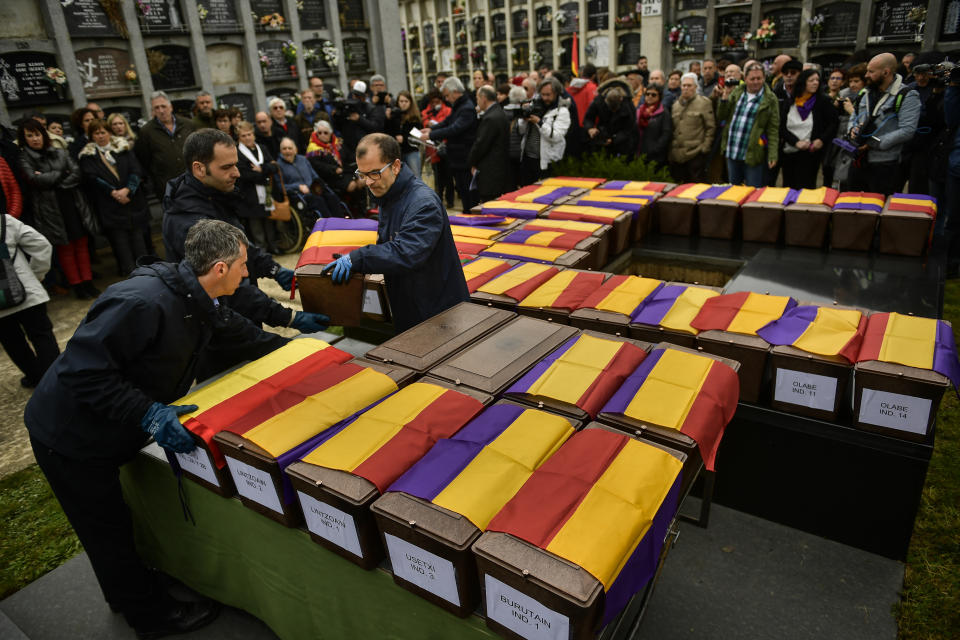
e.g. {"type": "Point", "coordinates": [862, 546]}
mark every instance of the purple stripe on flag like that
{"type": "Point", "coordinates": [345, 224]}
{"type": "Point", "coordinates": [516, 213]}
{"type": "Point", "coordinates": [556, 194]}
{"type": "Point", "coordinates": [790, 326]}
{"type": "Point", "coordinates": [713, 192]}
{"type": "Point", "coordinates": [792, 196]}
{"type": "Point", "coordinates": [509, 256]}
{"type": "Point", "coordinates": [524, 383]}
{"type": "Point", "coordinates": [520, 236]}
{"type": "Point", "coordinates": [855, 206]}
{"type": "Point", "coordinates": [915, 196]}
{"type": "Point", "coordinates": [658, 304]}
{"type": "Point", "coordinates": [604, 204]}
{"type": "Point", "coordinates": [945, 354]}
{"type": "Point", "coordinates": [477, 220]}
{"type": "Point", "coordinates": [615, 184]}
{"type": "Point", "coordinates": [624, 395]}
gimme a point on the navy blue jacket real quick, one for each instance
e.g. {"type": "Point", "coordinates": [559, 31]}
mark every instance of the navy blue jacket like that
{"type": "Point", "coordinates": [415, 252]}
{"type": "Point", "coordinates": [139, 344]}
{"type": "Point", "coordinates": [459, 130]}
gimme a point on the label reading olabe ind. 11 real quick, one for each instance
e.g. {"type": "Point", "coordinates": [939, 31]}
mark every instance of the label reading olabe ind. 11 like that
{"type": "Point", "coordinates": [198, 463]}
{"type": "Point", "coordinates": [254, 484]}
{"type": "Point", "coordinates": [422, 568]}
{"type": "Point", "coordinates": [805, 389]}
{"type": "Point", "coordinates": [895, 411]}
{"type": "Point", "coordinates": [330, 523]}
{"type": "Point", "coordinates": [522, 614]}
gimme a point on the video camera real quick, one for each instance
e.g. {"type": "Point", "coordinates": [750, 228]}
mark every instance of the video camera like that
{"type": "Point", "coordinates": [535, 107]}
{"type": "Point", "coordinates": [943, 71]}
{"type": "Point", "coordinates": [346, 106]}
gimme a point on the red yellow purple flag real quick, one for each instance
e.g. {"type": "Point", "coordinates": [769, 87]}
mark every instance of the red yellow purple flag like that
{"type": "Point", "coordinates": [479, 271]}
{"type": "Point", "coordinates": [924, 343]}
{"type": "Point", "coordinates": [336, 235]}
{"type": "Point", "coordinates": [520, 281]}
{"type": "Point", "coordinates": [741, 312]}
{"type": "Point", "coordinates": [822, 330]}
{"type": "Point", "coordinates": [566, 290]}
{"type": "Point", "coordinates": [621, 294]}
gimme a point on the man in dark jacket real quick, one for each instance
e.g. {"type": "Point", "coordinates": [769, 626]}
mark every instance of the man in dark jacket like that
{"type": "Point", "coordinates": [159, 146]}
{"type": "Point", "coordinates": [459, 131]}
{"type": "Point", "coordinates": [283, 126]}
{"type": "Point", "coordinates": [135, 351]}
{"type": "Point", "coordinates": [355, 119]}
{"type": "Point", "coordinates": [203, 111]}
{"type": "Point", "coordinates": [415, 249]}
{"type": "Point", "coordinates": [488, 157]}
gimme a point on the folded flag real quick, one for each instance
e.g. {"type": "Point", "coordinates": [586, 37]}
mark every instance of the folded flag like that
{"type": "Point", "coordinates": [688, 191]}
{"type": "Point", "coordinates": [387, 439]}
{"type": "Point", "coordinates": [547, 238]}
{"type": "Point", "coordinates": [336, 235]}
{"type": "Point", "coordinates": [604, 502]}
{"type": "Point", "coordinates": [726, 193]}
{"type": "Point", "coordinates": [566, 290]}
{"type": "Point", "coordinates": [822, 330]}
{"type": "Point", "coordinates": [673, 307]}
{"type": "Point", "coordinates": [859, 201]}
{"type": "Point", "coordinates": [483, 465]}
{"type": "Point", "coordinates": [913, 202]}
{"type": "Point", "coordinates": [477, 220]}
{"type": "Point", "coordinates": [546, 195]}
{"type": "Point", "coordinates": [824, 195]}
{"type": "Point", "coordinates": [601, 215]}
{"type": "Point", "coordinates": [479, 271]}
{"type": "Point", "coordinates": [584, 372]}
{"type": "Point", "coordinates": [684, 391]}
{"type": "Point", "coordinates": [621, 294]}
{"type": "Point", "coordinates": [924, 343]}
{"type": "Point", "coordinates": [466, 231]}
{"type": "Point", "coordinates": [528, 253]}
{"type": "Point", "coordinates": [525, 210]}
{"type": "Point", "coordinates": [563, 225]}
{"type": "Point", "coordinates": [741, 312]}
{"type": "Point", "coordinates": [633, 203]}
{"type": "Point", "coordinates": [470, 246]}
{"type": "Point", "coordinates": [773, 195]}
{"type": "Point", "coordinates": [580, 183]}
{"type": "Point", "coordinates": [633, 185]}
{"type": "Point", "coordinates": [519, 281]}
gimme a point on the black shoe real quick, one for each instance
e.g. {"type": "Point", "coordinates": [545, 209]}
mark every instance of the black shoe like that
{"type": "Point", "coordinates": [91, 290]}
{"type": "Point", "coordinates": [27, 383]}
{"type": "Point", "coordinates": [181, 618]}
{"type": "Point", "coordinates": [80, 291]}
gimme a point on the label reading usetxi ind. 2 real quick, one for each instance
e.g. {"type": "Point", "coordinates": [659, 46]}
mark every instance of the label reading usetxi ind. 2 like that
{"type": "Point", "coordinates": [805, 389]}
{"type": "Point", "coordinates": [254, 484]}
{"type": "Point", "coordinates": [422, 568]}
{"type": "Point", "coordinates": [331, 523]}
{"type": "Point", "coordinates": [198, 463]}
{"type": "Point", "coordinates": [522, 614]}
{"type": "Point", "coordinates": [895, 411]}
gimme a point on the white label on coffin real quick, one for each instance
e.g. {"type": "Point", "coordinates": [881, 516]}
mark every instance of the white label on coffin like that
{"type": "Point", "coordinates": [198, 463]}
{"type": "Point", "coordinates": [331, 523]}
{"type": "Point", "coordinates": [522, 614]}
{"type": "Point", "coordinates": [254, 484]}
{"type": "Point", "coordinates": [895, 411]}
{"type": "Point", "coordinates": [422, 568]}
{"type": "Point", "coordinates": [371, 302]}
{"type": "Point", "coordinates": [806, 389]}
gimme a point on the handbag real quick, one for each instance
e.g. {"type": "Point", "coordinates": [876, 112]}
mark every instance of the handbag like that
{"type": "Point", "coordinates": [12, 292]}
{"type": "Point", "coordinates": [281, 210]}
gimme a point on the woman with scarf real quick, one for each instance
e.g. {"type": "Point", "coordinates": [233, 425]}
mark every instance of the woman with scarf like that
{"type": "Point", "coordinates": [401, 120]}
{"type": "Point", "coordinates": [323, 152]}
{"type": "Point", "coordinates": [256, 167]}
{"type": "Point", "coordinates": [114, 177]}
{"type": "Point", "coordinates": [654, 125]}
{"type": "Point", "coordinates": [808, 124]}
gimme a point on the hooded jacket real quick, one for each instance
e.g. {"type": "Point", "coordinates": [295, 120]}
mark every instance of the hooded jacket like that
{"type": "Point", "coordinates": [583, 91]}
{"type": "Point", "coordinates": [139, 343]}
{"type": "Point", "coordinates": [102, 182]}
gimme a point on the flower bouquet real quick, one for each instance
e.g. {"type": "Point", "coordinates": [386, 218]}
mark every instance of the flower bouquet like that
{"type": "Point", "coordinates": [765, 32]}
{"type": "Point", "coordinates": [273, 21]}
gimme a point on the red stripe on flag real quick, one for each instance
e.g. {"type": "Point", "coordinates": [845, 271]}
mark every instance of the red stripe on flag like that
{"type": "Point", "coordinates": [513, 195]}
{"type": "Point", "coordinates": [919, 208]}
{"type": "Point", "coordinates": [605, 289]}
{"type": "Point", "coordinates": [441, 419]}
{"type": "Point", "coordinates": [322, 255]}
{"type": "Point", "coordinates": [575, 57]}
{"type": "Point", "coordinates": [470, 247]}
{"type": "Point", "coordinates": [582, 285]}
{"type": "Point", "coordinates": [522, 290]}
{"type": "Point", "coordinates": [712, 411]}
{"type": "Point", "coordinates": [719, 312]}
{"type": "Point", "coordinates": [478, 281]}
{"type": "Point", "coordinates": [873, 337]}
{"type": "Point", "coordinates": [830, 197]}
{"type": "Point", "coordinates": [851, 350]}
{"type": "Point", "coordinates": [581, 217]}
{"type": "Point", "coordinates": [625, 362]}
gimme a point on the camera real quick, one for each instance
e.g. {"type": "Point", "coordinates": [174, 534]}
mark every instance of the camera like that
{"type": "Point", "coordinates": [941, 71]}
{"type": "Point", "coordinates": [346, 106]}
{"type": "Point", "coordinates": [536, 107]}
{"type": "Point", "coordinates": [513, 110]}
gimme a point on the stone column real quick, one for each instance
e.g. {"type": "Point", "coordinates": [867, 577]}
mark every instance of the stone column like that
{"type": "Point", "coordinates": [138, 54]}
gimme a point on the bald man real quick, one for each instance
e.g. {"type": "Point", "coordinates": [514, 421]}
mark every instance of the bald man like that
{"type": "Point", "coordinates": [886, 119]}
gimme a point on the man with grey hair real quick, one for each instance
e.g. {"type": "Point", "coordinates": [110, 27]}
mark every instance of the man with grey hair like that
{"type": "Point", "coordinates": [488, 157]}
{"type": "Point", "coordinates": [283, 126]}
{"type": "Point", "coordinates": [693, 129]}
{"type": "Point", "coordinates": [135, 352]}
{"type": "Point", "coordinates": [159, 145]}
{"type": "Point", "coordinates": [458, 131]}
{"type": "Point", "coordinates": [203, 111]}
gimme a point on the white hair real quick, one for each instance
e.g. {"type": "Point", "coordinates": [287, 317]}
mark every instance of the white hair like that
{"type": "Point", "coordinates": [323, 124]}
{"type": "Point", "coordinates": [517, 95]}
{"type": "Point", "coordinates": [274, 100]}
{"type": "Point", "coordinates": [689, 76]}
{"type": "Point", "coordinates": [453, 85]}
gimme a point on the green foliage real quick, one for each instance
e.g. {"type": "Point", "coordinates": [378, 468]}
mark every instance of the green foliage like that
{"type": "Point", "coordinates": [603, 165]}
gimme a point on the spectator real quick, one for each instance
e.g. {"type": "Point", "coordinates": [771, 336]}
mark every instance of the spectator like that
{"type": "Point", "coordinates": [320, 102]}
{"type": "Point", "coordinates": [97, 111]}
{"type": "Point", "coordinates": [356, 119]}
{"type": "Point", "coordinates": [479, 79]}
{"type": "Point", "coordinates": [950, 202]}
{"type": "Point", "coordinates": [30, 253]}
{"type": "Point", "coordinates": [807, 125]}
{"type": "Point", "coordinates": [203, 112]}
{"type": "Point", "coordinates": [856, 79]}
{"type": "Point", "coordinates": [785, 89]}
{"type": "Point", "coordinates": [750, 137]}
{"type": "Point", "coordinates": [642, 68]}
{"type": "Point", "coordinates": [236, 117]}
{"type": "Point", "coordinates": [635, 80]}
{"type": "Point", "coordinates": [222, 119]}
{"type": "Point", "coordinates": [549, 130]}
{"type": "Point", "coordinates": [514, 137]}
{"type": "Point", "coordinates": [732, 75]}
{"type": "Point", "coordinates": [379, 96]}
{"type": "Point", "coordinates": [404, 117]}
{"type": "Point", "coordinates": [672, 92]}
{"type": "Point", "coordinates": [916, 156]}
{"type": "Point", "coordinates": [299, 180]}
{"type": "Point", "coordinates": [654, 125]}
{"type": "Point", "coordinates": [906, 66]}
{"type": "Point", "coordinates": [693, 129]}
{"type": "Point", "coordinates": [488, 158]}
{"type": "Point", "coordinates": [776, 68]}
{"type": "Point", "coordinates": [458, 131]}
{"type": "Point", "coordinates": [530, 86]}
{"type": "Point", "coordinates": [503, 94]}
{"type": "Point", "coordinates": [264, 133]}
{"type": "Point", "coordinates": [55, 131]}
{"type": "Point", "coordinates": [611, 122]}
{"type": "Point", "coordinates": [60, 211]}
{"type": "Point", "coordinates": [120, 127]}
{"type": "Point", "coordinates": [836, 92]}
{"type": "Point", "coordinates": [258, 177]}
{"type": "Point", "coordinates": [80, 119]}
{"type": "Point", "coordinates": [309, 112]}
{"type": "Point", "coordinates": [695, 70]}
{"type": "Point", "coordinates": [282, 126]}
{"type": "Point", "coordinates": [324, 155]}
{"type": "Point", "coordinates": [114, 180]}
{"type": "Point", "coordinates": [709, 78]}
{"type": "Point", "coordinates": [159, 147]}
{"type": "Point", "coordinates": [437, 83]}
{"type": "Point", "coordinates": [886, 119]}
{"type": "Point", "coordinates": [583, 90]}
{"type": "Point", "coordinates": [435, 113]}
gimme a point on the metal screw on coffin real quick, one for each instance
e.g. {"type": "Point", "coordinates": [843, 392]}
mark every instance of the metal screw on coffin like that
{"type": "Point", "coordinates": [412, 523]}
{"type": "Point", "coordinates": [319, 482]}
{"type": "Point", "coordinates": [456, 381]}
{"type": "Point", "coordinates": [525, 573]}
{"type": "Point", "coordinates": [540, 405]}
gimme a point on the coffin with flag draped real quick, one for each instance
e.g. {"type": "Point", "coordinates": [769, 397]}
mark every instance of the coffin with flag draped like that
{"type": "Point", "coordinates": [579, 182]}
{"type": "Point", "coordinates": [435, 511]}
{"type": "Point", "coordinates": [718, 210]}
{"type": "Point", "coordinates": [904, 366]}
{"type": "Point", "coordinates": [547, 238]}
{"type": "Point", "coordinates": [640, 204]}
{"type": "Point", "coordinates": [556, 298]}
{"type": "Point", "coordinates": [570, 258]}
{"type": "Point", "coordinates": [619, 219]}
{"type": "Point", "coordinates": [578, 378]}
{"type": "Point", "coordinates": [610, 308]}
{"type": "Point", "coordinates": [762, 213]}
{"type": "Point", "coordinates": [635, 185]}
{"type": "Point", "coordinates": [583, 535]}
{"type": "Point", "coordinates": [855, 216]}
{"type": "Point", "coordinates": [906, 223]}
{"type": "Point", "coordinates": [522, 210]}
{"type": "Point", "coordinates": [675, 210]}
{"type": "Point", "coordinates": [807, 218]}
{"type": "Point", "coordinates": [338, 479]}
{"type": "Point", "coordinates": [666, 314]}
{"type": "Point", "coordinates": [479, 219]}
{"type": "Point", "coordinates": [511, 285]}
{"type": "Point", "coordinates": [599, 231]}
{"type": "Point", "coordinates": [498, 359]}
{"type": "Point", "coordinates": [543, 194]}
{"type": "Point", "coordinates": [479, 271]}
{"type": "Point", "coordinates": [336, 235]}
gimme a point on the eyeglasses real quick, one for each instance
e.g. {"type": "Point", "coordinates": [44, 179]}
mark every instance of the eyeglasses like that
{"type": "Point", "coordinates": [372, 176]}
{"type": "Point", "coordinates": [651, 93]}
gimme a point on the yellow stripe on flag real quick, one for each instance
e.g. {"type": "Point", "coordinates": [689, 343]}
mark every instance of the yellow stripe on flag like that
{"type": "Point", "coordinates": [830, 331]}
{"type": "Point", "coordinates": [628, 294]}
{"type": "Point", "coordinates": [915, 202]}
{"type": "Point", "coordinates": [632, 185]}
{"type": "Point", "coordinates": [374, 428]}
{"type": "Point", "coordinates": [567, 225]}
{"type": "Point", "coordinates": [527, 251]}
{"type": "Point", "coordinates": [320, 411]}
{"type": "Point", "coordinates": [586, 183]}
{"type": "Point", "coordinates": [691, 192]}
{"type": "Point", "coordinates": [315, 239]}
{"type": "Point", "coordinates": [909, 340]}
{"type": "Point", "coordinates": [480, 266]}
{"type": "Point", "coordinates": [570, 375]}
{"type": "Point", "coordinates": [495, 205]}
{"type": "Point", "coordinates": [773, 195]}
{"type": "Point", "coordinates": [469, 240]}
{"type": "Point", "coordinates": [546, 294]}
{"type": "Point", "coordinates": [517, 276]}
{"type": "Point", "coordinates": [617, 512]}
{"type": "Point", "coordinates": [877, 202]}
{"type": "Point", "coordinates": [598, 212]}
{"type": "Point", "coordinates": [597, 196]}
{"type": "Point", "coordinates": [500, 469]}
{"type": "Point", "coordinates": [735, 194]}
{"type": "Point", "coordinates": [543, 238]}
{"type": "Point", "coordinates": [671, 387]}
{"type": "Point", "coordinates": [348, 237]}
{"type": "Point", "coordinates": [536, 193]}
{"type": "Point", "coordinates": [685, 309]}
{"type": "Point", "coordinates": [757, 310]}
{"type": "Point", "coordinates": [812, 196]}
{"type": "Point", "coordinates": [466, 231]}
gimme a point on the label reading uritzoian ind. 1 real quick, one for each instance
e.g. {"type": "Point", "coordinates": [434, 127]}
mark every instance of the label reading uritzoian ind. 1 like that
{"type": "Point", "coordinates": [254, 484]}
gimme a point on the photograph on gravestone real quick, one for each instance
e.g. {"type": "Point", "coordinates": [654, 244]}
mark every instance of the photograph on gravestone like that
{"type": "Point", "coordinates": [598, 12]}
{"type": "Point", "coordinates": [692, 5]}
{"type": "Point", "coordinates": [269, 15]}
{"type": "Point", "coordinates": [500, 56]}
{"type": "Point", "coordinates": [544, 19]}
{"type": "Point", "coordinates": [183, 107]}
{"type": "Point", "coordinates": [629, 48]}
{"type": "Point", "coordinates": [241, 101]}
{"type": "Point", "coordinates": [628, 14]}
{"type": "Point", "coordinates": [24, 80]}
{"type": "Point", "coordinates": [545, 49]}
{"type": "Point", "coordinates": [161, 16]}
{"type": "Point", "coordinates": [788, 28]}
{"type": "Point", "coordinates": [103, 72]}
{"type": "Point", "coordinates": [443, 34]}
{"type": "Point", "coordinates": [696, 33]}
{"type": "Point", "coordinates": [88, 19]}
{"type": "Point", "coordinates": [950, 23]}
{"type": "Point", "coordinates": [462, 59]}
{"type": "Point", "coordinates": [446, 60]}
{"type": "Point", "coordinates": [273, 65]}
{"type": "Point", "coordinates": [352, 15]}
{"type": "Point", "coordinates": [564, 53]}
{"type": "Point", "coordinates": [460, 31]}
{"type": "Point", "coordinates": [355, 52]}
{"type": "Point", "coordinates": [840, 23]}
{"type": "Point", "coordinates": [520, 52]}
{"type": "Point", "coordinates": [428, 39]}
{"type": "Point", "coordinates": [478, 28]}
{"type": "Point", "coordinates": [170, 67]}
{"type": "Point", "coordinates": [313, 14]}
{"type": "Point", "coordinates": [132, 114]}
{"type": "Point", "coordinates": [431, 60]}
{"type": "Point", "coordinates": [567, 17]}
{"type": "Point", "coordinates": [597, 50]}
{"type": "Point", "coordinates": [731, 27]}
{"type": "Point", "coordinates": [226, 62]}
{"type": "Point", "coordinates": [498, 27]}
{"type": "Point", "coordinates": [218, 16]}
{"type": "Point", "coordinates": [892, 19]}
{"type": "Point", "coordinates": [520, 23]}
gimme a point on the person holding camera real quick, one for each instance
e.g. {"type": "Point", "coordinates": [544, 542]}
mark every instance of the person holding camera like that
{"type": "Point", "coordinates": [929, 81]}
{"type": "Point", "coordinates": [458, 131]}
{"type": "Point", "coordinates": [354, 117]}
{"type": "Point", "coordinates": [544, 128]}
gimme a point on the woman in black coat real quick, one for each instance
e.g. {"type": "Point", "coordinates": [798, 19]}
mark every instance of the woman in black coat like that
{"type": "Point", "coordinates": [256, 167]}
{"type": "Point", "coordinates": [114, 179]}
{"type": "Point", "coordinates": [808, 124]}
{"type": "Point", "coordinates": [611, 123]}
{"type": "Point", "coordinates": [654, 125]}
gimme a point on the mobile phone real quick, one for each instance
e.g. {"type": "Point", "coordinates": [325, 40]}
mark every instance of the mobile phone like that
{"type": "Point", "coordinates": [721, 82]}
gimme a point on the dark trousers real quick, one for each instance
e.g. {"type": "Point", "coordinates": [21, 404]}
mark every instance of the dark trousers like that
{"type": "Point", "coordinates": [800, 169]}
{"type": "Point", "coordinates": [875, 177]}
{"type": "Point", "coordinates": [693, 170]}
{"type": "Point", "coordinates": [34, 325]}
{"type": "Point", "coordinates": [529, 170]}
{"type": "Point", "coordinates": [127, 245]}
{"type": "Point", "coordinates": [443, 181]}
{"type": "Point", "coordinates": [461, 178]}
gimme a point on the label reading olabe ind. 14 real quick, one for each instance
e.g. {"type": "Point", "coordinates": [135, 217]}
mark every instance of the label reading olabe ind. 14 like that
{"type": "Point", "coordinates": [895, 411]}
{"type": "Point", "coordinates": [806, 389]}
{"type": "Point", "coordinates": [422, 568]}
{"type": "Point", "coordinates": [522, 614]}
{"type": "Point", "coordinates": [330, 523]}
{"type": "Point", "coordinates": [254, 484]}
{"type": "Point", "coordinates": [198, 463]}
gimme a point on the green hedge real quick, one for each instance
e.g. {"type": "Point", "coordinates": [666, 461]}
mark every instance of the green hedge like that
{"type": "Point", "coordinates": [603, 165]}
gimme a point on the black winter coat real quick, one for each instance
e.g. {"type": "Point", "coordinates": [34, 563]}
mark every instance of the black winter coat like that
{"type": "Point", "coordinates": [351, 131]}
{"type": "Point", "coordinates": [101, 181]}
{"type": "Point", "coordinates": [292, 131]}
{"type": "Point", "coordinates": [489, 153]}
{"type": "Point", "coordinates": [825, 121]}
{"type": "Point", "coordinates": [139, 344]}
{"type": "Point", "coordinates": [249, 206]}
{"type": "Point", "coordinates": [159, 153]}
{"type": "Point", "coordinates": [188, 201]}
{"type": "Point", "coordinates": [620, 126]}
{"type": "Point", "coordinates": [656, 137]}
{"type": "Point", "coordinates": [57, 170]}
{"type": "Point", "coordinates": [397, 126]}
{"type": "Point", "coordinates": [415, 252]}
{"type": "Point", "coordinates": [459, 130]}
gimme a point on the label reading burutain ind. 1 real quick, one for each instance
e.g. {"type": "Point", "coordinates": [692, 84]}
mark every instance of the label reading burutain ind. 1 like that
{"type": "Point", "coordinates": [522, 614]}
{"type": "Point", "coordinates": [895, 411]}
{"type": "Point", "coordinates": [198, 463]}
{"type": "Point", "coordinates": [805, 389]}
{"type": "Point", "coordinates": [422, 568]}
{"type": "Point", "coordinates": [330, 523]}
{"type": "Point", "coordinates": [254, 484]}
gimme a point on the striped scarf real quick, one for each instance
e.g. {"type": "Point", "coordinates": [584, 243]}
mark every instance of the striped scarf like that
{"type": "Point", "coordinates": [740, 125]}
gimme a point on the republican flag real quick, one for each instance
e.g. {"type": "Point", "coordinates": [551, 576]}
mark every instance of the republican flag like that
{"type": "Point", "coordinates": [336, 235]}
{"type": "Point", "coordinates": [477, 220]}
{"type": "Point", "coordinates": [634, 203]}
{"type": "Point", "coordinates": [924, 343]}
{"type": "Point", "coordinates": [545, 194]}
{"type": "Point", "coordinates": [563, 225]}
{"type": "Point", "coordinates": [633, 185]}
{"type": "Point", "coordinates": [688, 191]}
{"type": "Point", "coordinates": [567, 181]}
{"type": "Point", "coordinates": [566, 290]}
{"type": "Point", "coordinates": [525, 210]}
{"type": "Point", "coordinates": [467, 246]}
{"type": "Point", "coordinates": [859, 201]}
{"type": "Point", "coordinates": [913, 202]}
{"type": "Point", "coordinates": [822, 330]}
{"type": "Point", "coordinates": [726, 193]}
{"type": "Point", "coordinates": [773, 195]}
{"type": "Point", "coordinates": [824, 195]}
{"type": "Point", "coordinates": [525, 252]}
{"type": "Point", "coordinates": [548, 238]}
{"type": "Point", "coordinates": [673, 307]}
{"type": "Point", "coordinates": [743, 313]}
{"type": "Point", "coordinates": [622, 294]}
{"type": "Point", "coordinates": [479, 271]}
{"type": "Point", "coordinates": [519, 281]}
{"type": "Point", "coordinates": [600, 214]}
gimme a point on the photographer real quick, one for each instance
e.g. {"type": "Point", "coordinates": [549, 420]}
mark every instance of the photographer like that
{"type": "Point", "coordinates": [611, 123]}
{"type": "Point", "coordinates": [458, 131]}
{"type": "Point", "coordinates": [379, 98]}
{"type": "Point", "coordinates": [354, 117]}
{"type": "Point", "coordinates": [545, 123]}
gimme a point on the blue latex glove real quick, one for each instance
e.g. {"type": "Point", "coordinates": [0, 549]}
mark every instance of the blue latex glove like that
{"type": "Point", "coordinates": [341, 269]}
{"type": "Point", "coordinates": [306, 322]}
{"type": "Point", "coordinates": [161, 422]}
{"type": "Point", "coordinates": [284, 278]}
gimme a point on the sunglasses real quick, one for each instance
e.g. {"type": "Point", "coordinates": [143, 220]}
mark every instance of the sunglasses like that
{"type": "Point", "coordinates": [651, 93]}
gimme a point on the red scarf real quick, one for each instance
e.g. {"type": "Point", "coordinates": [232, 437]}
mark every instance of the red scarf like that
{"type": "Point", "coordinates": [318, 147]}
{"type": "Point", "coordinates": [645, 112]}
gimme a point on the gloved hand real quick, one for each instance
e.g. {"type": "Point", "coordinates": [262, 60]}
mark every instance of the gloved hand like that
{"type": "Point", "coordinates": [306, 322]}
{"type": "Point", "coordinates": [161, 422]}
{"type": "Point", "coordinates": [341, 269]}
{"type": "Point", "coordinates": [284, 278]}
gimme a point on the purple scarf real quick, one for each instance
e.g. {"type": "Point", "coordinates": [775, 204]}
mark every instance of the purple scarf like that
{"type": "Point", "coordinates": [805, 107]}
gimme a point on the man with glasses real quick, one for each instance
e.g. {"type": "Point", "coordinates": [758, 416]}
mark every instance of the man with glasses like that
{"type": "Point", "coordinates": [415, 249]}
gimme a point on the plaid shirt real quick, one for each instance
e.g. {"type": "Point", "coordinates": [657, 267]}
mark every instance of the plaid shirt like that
{"type": "Point", "coordinates": [740, 125]}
